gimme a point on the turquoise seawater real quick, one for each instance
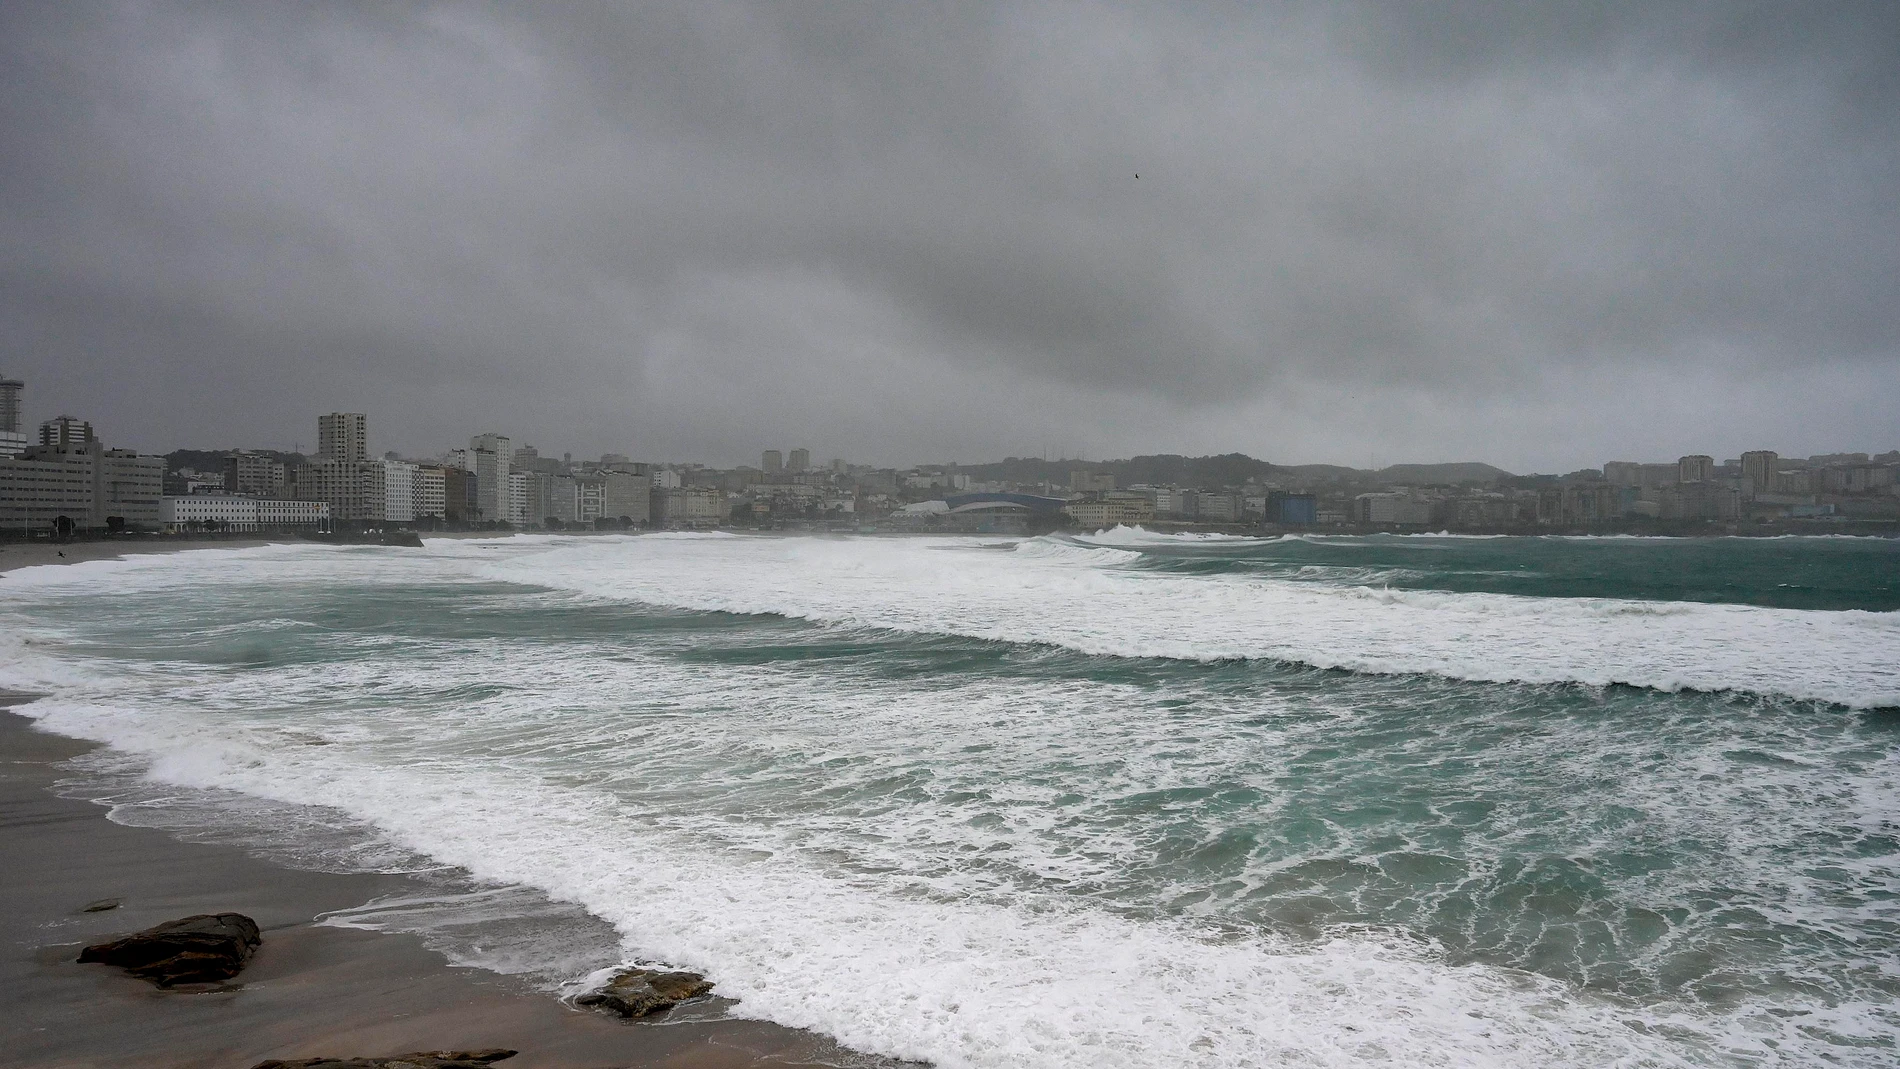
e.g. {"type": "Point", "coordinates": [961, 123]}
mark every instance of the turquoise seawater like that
{"type": "Point", "coordinates": [1126, 799]}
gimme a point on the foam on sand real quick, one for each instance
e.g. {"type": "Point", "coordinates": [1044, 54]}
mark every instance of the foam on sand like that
{"type": "Point", "coordinates": [958, 981]}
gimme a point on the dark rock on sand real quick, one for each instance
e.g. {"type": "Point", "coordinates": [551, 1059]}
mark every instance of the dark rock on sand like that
{"type": "Point", "coordinates": [422, 1059]}
{"type": "Point", "coordinates": [203, 949]}
{"type": "Point", "coordinates": [638, 992]}
{"type": "Point", "coordinates": [100, 906]}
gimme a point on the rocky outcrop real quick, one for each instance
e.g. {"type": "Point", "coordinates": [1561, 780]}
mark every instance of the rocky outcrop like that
{"type": "Point", "coordinates": [204, 949]}
{"type": "Point", "coordinates": [100, 906]}
{"type": "Point", "coordinates": [638, 992]}
{"type": "Point", "coordinates": [422, 1059]}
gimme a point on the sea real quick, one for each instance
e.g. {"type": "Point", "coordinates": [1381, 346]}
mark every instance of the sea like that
{"type": "Point", "coordinates": [1126, 799]}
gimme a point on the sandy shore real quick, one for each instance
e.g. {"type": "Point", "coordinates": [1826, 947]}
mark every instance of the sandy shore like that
{"type": "Point", "coordinates": [310, 991]}
{"type": "Point", "coordinates": [28, 554]}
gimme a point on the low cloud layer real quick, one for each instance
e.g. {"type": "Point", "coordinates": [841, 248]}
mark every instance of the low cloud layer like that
{"type": "Point", "coordinates": [906, 232]}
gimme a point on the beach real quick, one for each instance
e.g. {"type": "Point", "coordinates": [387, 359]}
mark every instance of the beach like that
{"type": "Point", "coordinates": [310, 991]}
{"type": "Point", "coordinates": [17, 555]}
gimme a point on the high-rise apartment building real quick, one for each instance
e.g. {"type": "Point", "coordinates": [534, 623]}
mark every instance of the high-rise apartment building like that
{"type": "Point", "coordinates": [771, 462]}
{"type": "Point", "coordinates": [491, 458]}
{"type": "Point", "coordinates": [342, 475]}
{"type": "Point", "coordinates": [800, 460]}
{"type": "Point", "coordinates": [521, 493]}
{"type": "Point", "coordinates": [429, 493]}
{"type": "Point", "coordinates": [12, 430]}
{"type": "Point", "coordinates": [344, 436]}
{"type": "Point", "coordinates": [1758, 470]}
{"type": "Point", "coordinates": [1695, 469]}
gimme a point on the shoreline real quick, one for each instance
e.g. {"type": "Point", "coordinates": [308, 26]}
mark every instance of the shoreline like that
{"type": "Point", "coordinates": [14, 555]}
{"type": "Point", "coordinates": [310, 991]}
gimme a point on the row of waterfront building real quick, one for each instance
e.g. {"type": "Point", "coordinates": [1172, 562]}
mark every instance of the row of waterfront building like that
{"type": "Point", "coordinates": [65, 478]}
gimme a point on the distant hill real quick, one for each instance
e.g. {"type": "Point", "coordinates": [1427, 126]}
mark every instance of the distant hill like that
{"type": "Point", "coordinates": [1324, 473]}
{"type": "Point", "coordinates": [1232, 469]}
{"type": "Point", "coordinates": [1469, 471]}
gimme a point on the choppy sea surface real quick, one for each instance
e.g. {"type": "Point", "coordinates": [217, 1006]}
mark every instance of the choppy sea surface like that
{"type": "Point", "coordinates": [1117, 800]}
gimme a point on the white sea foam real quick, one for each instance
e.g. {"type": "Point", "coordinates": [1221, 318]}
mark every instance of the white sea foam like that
{"type": "Point", "coordinates": [957, 982]}
{"type": "Point", "coordinates": [509, 761]}
{"type": "Point", "coordinates": [1137, 535]}
{"type": "Point", "coordinates": [1051, 591]}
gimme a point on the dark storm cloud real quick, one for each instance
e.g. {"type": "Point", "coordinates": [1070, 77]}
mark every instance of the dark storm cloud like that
{"type": "Point", "coordinates": [904, 231]}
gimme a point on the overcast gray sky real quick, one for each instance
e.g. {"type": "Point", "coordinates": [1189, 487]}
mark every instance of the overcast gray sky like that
{"type": "Point", "coordinates": [907, 232]}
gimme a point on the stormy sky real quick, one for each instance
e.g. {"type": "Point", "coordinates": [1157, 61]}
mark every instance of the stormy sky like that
{"type": "Point", "coordinates": [905, 232]}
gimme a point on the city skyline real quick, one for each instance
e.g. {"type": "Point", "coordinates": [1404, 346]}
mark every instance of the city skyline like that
{"type": "Point", "coordinates": [819, 457]}
{"type": "Point", "coordinates": [1536, 238]}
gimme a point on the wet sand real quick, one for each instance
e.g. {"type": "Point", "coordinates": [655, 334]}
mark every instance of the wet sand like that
{"type": "Point", "coordinates": [310, 991]}
{"type": "Point", "coordinates": [29, 554]}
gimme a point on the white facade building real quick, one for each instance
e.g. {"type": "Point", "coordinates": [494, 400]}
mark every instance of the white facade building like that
{"type": "Point", "coordinates": [399, 491]}
{"type": "Point", "coordinates": [235, 512]}
{"type": "Point", "coordinates": [278, 512]}
{"type": "Point", "coordinates": [196, 510]}
{"type": "Point", "coordinates": [520, 498]}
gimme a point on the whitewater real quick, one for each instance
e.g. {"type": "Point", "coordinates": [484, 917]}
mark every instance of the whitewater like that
{"type": "Point", "coordinates": [1118, 800]}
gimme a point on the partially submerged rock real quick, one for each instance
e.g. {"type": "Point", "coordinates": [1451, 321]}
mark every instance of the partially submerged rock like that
{"type": "Point", "coordinates": [422, 1059]}
{"type": "Point", "coordinates": [203, 949]}
{"type": "Point", "coordinates": [100, 906]}
{"type": "Point", "coordinates": [637, 992]}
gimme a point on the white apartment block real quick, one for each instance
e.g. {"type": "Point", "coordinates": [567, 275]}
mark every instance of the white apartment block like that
{"type": "Point", "coordinates": [234, 512]}
{"type": "Point", "coordinates": [196, 510]}
{"type": "Point", "coordinates": [520, 498]}
{"type": "Point", "coordinates": [399, 491]}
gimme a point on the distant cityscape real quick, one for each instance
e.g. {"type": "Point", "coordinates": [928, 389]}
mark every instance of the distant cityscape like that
{"type": "Point", "coordinates": [66, 481]}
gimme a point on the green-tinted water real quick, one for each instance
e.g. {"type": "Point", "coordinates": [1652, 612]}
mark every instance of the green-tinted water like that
{"type": "Point", "coordinates": [1093, 802]}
